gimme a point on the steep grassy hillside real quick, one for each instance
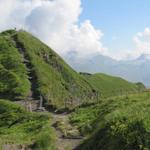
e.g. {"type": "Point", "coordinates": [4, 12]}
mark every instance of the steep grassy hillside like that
{"type": "Point", "coordinates": [29, 67]}
{"type": "Point", "coordinates": [112, 86]}
{"type": "Point", "coordinates": [23, 128]}
{"type": "Point", "coordinates": [14, 82]}
{"type": "Point", "coordinates": [24, 58]}
{"type": "Point", "coordinates": [121, 123]}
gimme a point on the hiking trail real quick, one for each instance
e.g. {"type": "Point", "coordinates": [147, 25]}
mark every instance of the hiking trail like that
{"type": "Point", "coordinates": [65, 142]}
{"type": "Point", "coordinates": [69, 137]}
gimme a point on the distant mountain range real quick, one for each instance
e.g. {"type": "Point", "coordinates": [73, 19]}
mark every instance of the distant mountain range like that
{"type": "Point", "coordinates": [136, 70]}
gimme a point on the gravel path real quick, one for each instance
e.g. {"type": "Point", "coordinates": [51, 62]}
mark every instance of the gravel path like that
{"type": "Point", "coordinates": [64, 143]}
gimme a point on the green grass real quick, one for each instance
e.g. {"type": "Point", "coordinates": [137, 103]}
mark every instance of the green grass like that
{"type": "Point", "coordinates": [119, 123]}
{"type": "Point", "coordinates": [23, 128]}
{"type": "Point", "coordinates": [14, 82]}
{"type": "Point", "coordinates": [112, 86]}
{"type": "Point", "coordinates": [57, 82]}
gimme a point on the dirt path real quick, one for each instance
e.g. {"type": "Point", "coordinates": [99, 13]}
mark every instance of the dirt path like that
{"type": "Point", "coordinates": [32, 104]}
{"type": "Point", "coordinates": [34, 101]}
{"type": "Point", "coordinates": [64, 143]}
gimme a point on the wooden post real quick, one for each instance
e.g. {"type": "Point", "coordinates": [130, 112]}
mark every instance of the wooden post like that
{"type": "Point", "coordinates": [41, 102]}
{"type": "Point", "coordinates": [30, 107]}
{"type": "Point", "coordinates": [26, 105]}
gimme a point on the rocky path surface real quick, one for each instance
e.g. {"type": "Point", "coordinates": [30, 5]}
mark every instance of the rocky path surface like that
{"type": "Point", "coordinates": [65, 143]}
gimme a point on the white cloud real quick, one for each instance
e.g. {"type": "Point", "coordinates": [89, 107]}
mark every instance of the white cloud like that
{"type": "Point", "coordinates": [85, 40]}
{"type": "Point", "coordinates": [55, 22]}
{"type": "Point", "coordinates": [13, 13]}
{"type": "Point", "coordinates": [142, 42]}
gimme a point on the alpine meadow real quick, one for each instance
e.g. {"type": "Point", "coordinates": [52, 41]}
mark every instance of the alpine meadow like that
{"type": "Point", "coordinates": [63, 86]}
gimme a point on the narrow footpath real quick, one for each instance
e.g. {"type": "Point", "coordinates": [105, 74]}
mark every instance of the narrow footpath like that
{"type": "Point", "coordinates": [65, 143]}
{"type": "Point", "coordinates": [68, 136]}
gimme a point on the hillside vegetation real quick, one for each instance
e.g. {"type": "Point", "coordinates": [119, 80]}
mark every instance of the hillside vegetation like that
{"type": "Point", "coordinates": [52, 78]}
{"type": "Point", "coordinates": [119, 123]}
{"type": "Point", "coordinates": [23, 128]}
{"type": "Point", "coordinates": [112, 86]}
{"type": "Point", "coordinates": [103, 108]}
{"type": "Point", "coordinates": [26, 64]}
{"type": "Point", "coordinates": [14, 82]}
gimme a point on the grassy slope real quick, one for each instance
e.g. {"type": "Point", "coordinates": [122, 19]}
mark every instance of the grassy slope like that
{"type": "Point", "coordinates": [56, 81]}
{"type": "Point", "coordinates": [24, 128]}
{"type": "Point", "coordinates": [121, 123]}
{"type": "Point", "coordinates": [14, 83]}
{"type": "Point", "coordinates": [59, 84]}
{"type": "Point", "coordinates": [112, 86]}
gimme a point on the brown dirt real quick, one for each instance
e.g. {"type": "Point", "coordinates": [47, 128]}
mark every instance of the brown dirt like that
{"type": "Point", "coordinates": [64, 143]}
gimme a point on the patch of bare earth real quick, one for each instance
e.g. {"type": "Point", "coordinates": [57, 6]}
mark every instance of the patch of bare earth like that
{"type": "Point", "coordinates": [68, 137]}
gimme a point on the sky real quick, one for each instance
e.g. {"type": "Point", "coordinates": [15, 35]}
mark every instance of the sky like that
{"type": "Point", "coordinates": [116, 28]}
{"type": "Point", "coordinates": [120, 21]}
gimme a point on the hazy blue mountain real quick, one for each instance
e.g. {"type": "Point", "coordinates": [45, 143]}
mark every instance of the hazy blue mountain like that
{"type": "Point", "coordinates": [137, 70]}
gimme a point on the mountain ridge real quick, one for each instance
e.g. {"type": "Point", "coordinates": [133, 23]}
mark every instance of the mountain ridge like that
{"type": "Point", "coordinates": [136, 70]}
{"type": "Point", "coordinates": [45, 73]}
{"type": "Point", "coordinates": [56, 81]}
